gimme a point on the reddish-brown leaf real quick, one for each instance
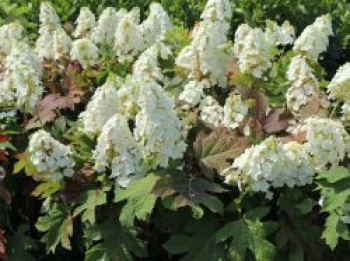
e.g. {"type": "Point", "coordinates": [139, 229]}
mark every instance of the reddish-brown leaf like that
{"type": "Point", "coordinates": [276, 121]}
{"type": "Point", "coordinates": [4, 156]}
{"type": "Point", "coordinates": [4, 138]}
{"type": "Point", "coordinates": [45, 110]}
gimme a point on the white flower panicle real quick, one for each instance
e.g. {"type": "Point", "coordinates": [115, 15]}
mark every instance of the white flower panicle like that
{"type": "Point", "coordinates": [52, 159]}
{"type": "Point", "coordinates": [158, 130]}
{"type": "Point", "coordinates": [235, 110]}
{"type": "Point", "coordinates": [271, 164]}
{"type": "Point", "coordinates": [48, 18]}
{"type": "Point", "coordinates": [102, 106]}
{"type": "Point", "coordinates": [10, 34]}
{"type": "Point", "coordinates": [61, 44]}
{"type": "Point", "coordinates": [107, 23]}
{"type": "Point", "coordinates": [206, 55]}
{"type": "Point", "coordinates": [85, 52]}
{"type": "Point", "coordinates": [327, 141]}
{"type": "Point", "coordinates": [217, 10]}
{"type": "Point", "coordinates": [21, 88]}
{"type": "Point", "coordinates": [279, 35]}
{"type": "Point", "coordinates": [128, 39]}
{"type": "Point", "coordinates": [211, 112]}
{"type": "Point", "coordinates": [252, 51]}
{"type": "Point", "coordinates": [117, 149]}
{"type": "Point", "coordinates": [53, 42]}
{"type": "Point", "coordinates": [154, 28]}
{"type": "Point", "coordinates": [339, 87]}
{"type": "Point", "coordinates": [314, 39]}
{"type": "Point", "coordinates": [192, 93]}
{"type": "Point", "coordinates": [85, 23]}
{"type": "Point", "coordinates": [304, 85]}
{"type": "Point", "coordinates": [147, 63]}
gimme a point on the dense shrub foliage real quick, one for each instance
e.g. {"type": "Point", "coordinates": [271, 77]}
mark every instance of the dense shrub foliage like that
{"type": "Point", "coordinates": [186, 130]}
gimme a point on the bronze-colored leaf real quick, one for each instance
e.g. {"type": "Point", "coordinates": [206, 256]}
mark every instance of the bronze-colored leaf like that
{"type": "Point", "coordinates": [277, 120]}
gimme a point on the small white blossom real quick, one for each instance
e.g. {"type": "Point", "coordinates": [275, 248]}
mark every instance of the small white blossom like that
{"type": "Point", "coordinates": [85, 23]}
{"type": "Point", "coordinates": [271, 164]}
{"type": "Point", "coordinates": [327, 142]}
{"type": "Point", "coordinates": [211, 112]}
{"type": "Point", "coordinates": [85, 52]}
{"type": "Point", "coordinates": [52, 159]}
{"type": "Point", "coordinates": [48, 17]}
{"type": "Point", "coordinates": [102, 106]}
{"type": "Point", "coordinates": [117, 149]}
{"type": "Point", "coordinates": [192, 93]}
{"type": "Point", "coordinates": [157, 128]}
{"type": "Point", "coordinates": [235, 110]}
{"type": "Point", "coordinates": [156, 25]}
{"type": "Point", "coordinates": [147, 63]}
{"type": "Point", "coordinates": [252, 51]}
{"type": "Point", "coordinates": [10, 34]}
{"type": "Point", "coordinates": [128, 39]}
{"type": "Point", "coordinates": [279, 35]}
{"type": "Point", "coordinates": [21, 88]}
{"type": "Point", "coordinates": [61, 44]}
{"type": "Point", "coordinates": [217, 10]}
{"type": "Point", "coordinates": [314, 39]}
{"type": "Point", "coordinates": [304, 85]}
{"type": "Point", "coordinates": [339, 87]}
{"type": "Point", "coordinates": [107, 23]}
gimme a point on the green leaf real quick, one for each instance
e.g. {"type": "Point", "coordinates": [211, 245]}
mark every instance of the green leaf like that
{"type": "Point", "coordinates": [200, 244]}
{"type": "Point", "coordinates": [334, 175]}
{"type": "Point", "coordinates": [334, 230]}
{"type": "Point", "coordinates": [19, 245]}
{"type": "Point", "coordinates": [139, 199]}
{"type": "Point", "coordinates": [92, 199]}
{"type": "Point", "coordinates": [58, 228]}
{"type": "Point", "coordinates": [117, 243]}
{"type": "Point", "coordinates": [45, 190]}
{"type": "Point", "coordinates": [247, 234]}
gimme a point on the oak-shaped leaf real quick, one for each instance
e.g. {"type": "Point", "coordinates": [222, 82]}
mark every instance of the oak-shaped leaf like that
{"type": "Point", "coordinates": [217, 150]}
{"type": "Point", "coordinates": [139, 199]}
{"type": "Point", "coordinates": [19, 245]}
{"type": "Point", "coordinates": [110, 241]}
{"type": "Point", "coordinates": [45, 110]}
{"type": "Point", "coordinates": [57, 225]}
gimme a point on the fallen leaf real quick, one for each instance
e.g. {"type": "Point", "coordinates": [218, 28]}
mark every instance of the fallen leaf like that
{"type": "Point", "coordinates": [277, 120]}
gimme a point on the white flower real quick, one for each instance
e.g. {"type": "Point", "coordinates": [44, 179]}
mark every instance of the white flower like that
{"type": "Point", "coordinates": [158, 130]}
{"type": "Point", "coordinates": [192, 93]}
{"type": "Point", "coordinates": [271, 164]}
{"type": "Point", "coordinates": [21, 88]}
{"type": "Point", "coordinates": [116, 148]}
{"type": "Point", "coordinates": [85, 52]}
{"type": "Point", "coordinates": [206, 55]}
{"type": "Point", "coordinates": [147, 63]}
{"type": "Point", "coordinates": [48, 17]}
{"type": "Point", "coordinates": [339, 87]}
{"type": "Point", "coordinates": [52, 159]}
{"type": "Point", "coordinates": [235, 110]}
{"type": "Point", "coordinates": [128, 39]}
{"type": "Point", "coordinates": [211, 112]}
{"type": "Point", "coordinates": [85, 23]}
{"type": "Point", "coordinates": [61, 44]}
{"type": "Point", "coordinates": [102, 106]}
{"type": "Point", "coordinates": [327, 142]}
{"type": "Point", "coordinates": [252, 51]}
{"type": "Point", "coordinates": [314, 39]}
{"type": "Point", "coordinates": [107, 23]}
{"type": "Point", "coordinates": [44, 44]}
{"type": "Point", "coordinates": [279, 35]}
{"type": "Point", "coordinates": [217, 10]}
{"type": "Point", "coordinates": [156, 25]}
{"type": "Point", "coordinates": [10, 34]}
{"type": "Point", "coordinates": [304, 85]}
{"type": "Point", "coordinates": [346, 112]}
